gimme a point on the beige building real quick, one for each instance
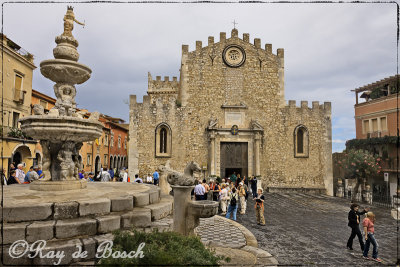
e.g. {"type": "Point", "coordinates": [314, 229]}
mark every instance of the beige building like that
{"type": "Point", "coordinates": [228, 113]}
{"type": "Point", "coordinates": [17, 70]}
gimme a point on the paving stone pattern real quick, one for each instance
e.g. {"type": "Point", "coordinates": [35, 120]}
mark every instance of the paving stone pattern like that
{"type": "Point", "coordinates": [220, 233]}
{"type": "Point", "coordinates": [307, 230]}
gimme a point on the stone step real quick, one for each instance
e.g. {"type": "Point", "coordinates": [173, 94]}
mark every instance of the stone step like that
{"type": "Point", "coordinates": [80, 208]}
{"type": "Point", "coordinates": [90, 225]}
{"type": "Point", "coordinates": [162, 209]}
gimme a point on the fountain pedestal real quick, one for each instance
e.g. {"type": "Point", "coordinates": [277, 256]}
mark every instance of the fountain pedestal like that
{"type": "Point", "coordinates": [187, 212]}
{"type": "Point", "coordinates": [182, 197]}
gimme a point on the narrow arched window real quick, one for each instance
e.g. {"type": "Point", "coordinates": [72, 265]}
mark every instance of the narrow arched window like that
{"type": "Point", "coordinates": [300, 143]}
{"type": "Point", "coordinates": [163, 140]}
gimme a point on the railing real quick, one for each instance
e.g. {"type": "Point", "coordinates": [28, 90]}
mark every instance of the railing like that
{"type": "Point", "coordinates": [374, 134]}
{"type": "Point", "coordinates": [384, 201]}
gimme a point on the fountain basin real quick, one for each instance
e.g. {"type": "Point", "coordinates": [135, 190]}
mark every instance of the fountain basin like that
{"type": "Point", "coordinates": [57, 185]}
{"type": "Point", "coordinates": [60, 129]}
{"type": "Point", "coordinates": [203, 208]}
{"type": "Point", "coordinates": [65, 71]}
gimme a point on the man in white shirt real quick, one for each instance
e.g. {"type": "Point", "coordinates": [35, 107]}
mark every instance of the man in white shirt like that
{"type": "Point", "coordinates": [125, 176]}
{"type": "Point", "coordinates": [105, 176]}
{"type": "Point", "coordinates": [149, 179]}
{"type": "Point", "coordinates": [199, 191]}
{"type": "Point", "coordinates": [223, 198]}
{"type": "Point", "coordinates": [20, 174]}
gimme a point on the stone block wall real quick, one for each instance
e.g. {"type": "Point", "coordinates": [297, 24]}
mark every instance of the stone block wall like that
{"type": "Point", "coordinates": [209, 89]}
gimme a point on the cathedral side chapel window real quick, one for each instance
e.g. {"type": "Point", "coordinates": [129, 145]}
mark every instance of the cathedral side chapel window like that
{"type": "Point", "coordinates": [301, 142]}
{"type": "Point", "coordinates": [163, 140]}
{"type": "Point", "coordinates": [300, 136]}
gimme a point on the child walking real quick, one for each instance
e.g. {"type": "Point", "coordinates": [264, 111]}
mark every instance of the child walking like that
{"type": "Point", "coordinates": [260, 207]}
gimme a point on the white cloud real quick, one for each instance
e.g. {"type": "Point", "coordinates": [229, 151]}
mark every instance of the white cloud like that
{"type": "Point", "coordinates": [330, 49]}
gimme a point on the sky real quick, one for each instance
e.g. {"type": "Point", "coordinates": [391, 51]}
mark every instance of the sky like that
{"type": "Point", "coordinates": [330, 48]}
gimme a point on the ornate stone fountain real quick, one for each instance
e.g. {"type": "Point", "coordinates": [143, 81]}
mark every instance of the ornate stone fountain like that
{"type": "Point", "coordinates": [186, 211]}
{"type": "Point", "coordinates": [62, 131]}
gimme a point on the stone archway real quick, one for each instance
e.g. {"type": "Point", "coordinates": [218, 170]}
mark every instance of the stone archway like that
{"type": "Point", "coordinates": [20, 154]}
{"type": "Point", "coordinates": [111, 162]}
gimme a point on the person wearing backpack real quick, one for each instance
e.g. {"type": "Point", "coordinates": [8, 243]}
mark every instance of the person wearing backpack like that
{"type": "Point", "coordinates": [233, 204]}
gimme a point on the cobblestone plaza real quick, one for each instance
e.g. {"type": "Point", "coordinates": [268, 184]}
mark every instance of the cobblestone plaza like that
{"type": "Point", "coordinates": [306, 230]}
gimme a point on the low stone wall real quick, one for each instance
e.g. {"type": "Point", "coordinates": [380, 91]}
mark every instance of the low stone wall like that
{"type": "Point", "coordinates": [312, 191]}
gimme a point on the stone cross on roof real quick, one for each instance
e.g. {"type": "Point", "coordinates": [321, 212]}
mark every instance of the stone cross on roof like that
{"type": "Point", "coordinates": [234, 24]}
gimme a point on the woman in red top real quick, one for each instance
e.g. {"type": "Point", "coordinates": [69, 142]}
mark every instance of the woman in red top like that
{"type": "Point", "coordinates": [369, 230]}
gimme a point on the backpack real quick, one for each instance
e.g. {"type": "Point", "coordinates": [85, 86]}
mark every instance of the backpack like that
{"type": "Point", "coordinates": [233, 200]}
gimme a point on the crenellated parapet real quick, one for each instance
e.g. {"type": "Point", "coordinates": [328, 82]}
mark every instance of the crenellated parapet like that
{"type": "Point", "coordinates": [234, 35]}
{"type": "Point", "coordinates": [165, 86]}
{"type": "Point", "coordinates": [316, 108]}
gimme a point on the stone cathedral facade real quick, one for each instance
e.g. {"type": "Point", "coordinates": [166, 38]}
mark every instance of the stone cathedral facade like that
{"type": "Point", "coordinates": [227, 112]}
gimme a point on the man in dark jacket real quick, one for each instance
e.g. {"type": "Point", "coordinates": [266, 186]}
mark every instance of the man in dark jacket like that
{"type": "Point", "coordinates": [354, 221]}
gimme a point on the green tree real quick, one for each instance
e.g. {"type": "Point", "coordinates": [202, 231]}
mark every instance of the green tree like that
{"type": "Point", "coordinates": [360, 164]}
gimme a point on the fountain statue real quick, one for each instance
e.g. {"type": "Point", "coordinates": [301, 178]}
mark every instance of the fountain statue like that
{"type": "Point", "coordinates": [62, 131]}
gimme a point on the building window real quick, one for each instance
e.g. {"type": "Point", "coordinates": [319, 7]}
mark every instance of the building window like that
{"type": "Point", "coordinates": [15, 119]}
{"type": "Point", "coordinates": [18, 90]}
{"type": "Point", "coordinates": [301, 142]}
{"type": "Point", "coordinates": [89, 160]}
{"type": "Point", "coordinates": [300, 137]}
{"type": "Point", "coordinates": [119, 141]}
{"type": "Point", "coordinates": [163, 140]}
{"type": "Point", "coordinates": [112, 141]}
{"type": "Point", "coordinates": [106, 140]}
{"type": "Point", "coordinates": [383, 124]}
{"type": "Point", "coordinates": [374, 125]}
{"type": "Point", "coordinates": [365, 126]}
{"type": "Point", "coordinates": [125, 143]}
{"type": "Point", "coordinates": [105, 159]}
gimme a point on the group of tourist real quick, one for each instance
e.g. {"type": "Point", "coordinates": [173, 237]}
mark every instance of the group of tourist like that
{"type": "Point", "coordinates": [369, 231]}
{"type": "Point", "coordinates": [105, 175]}
{"type": "Point", "coordinates": [18, 176]}
{"type": "Point", "coordinates": [230, 193]}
